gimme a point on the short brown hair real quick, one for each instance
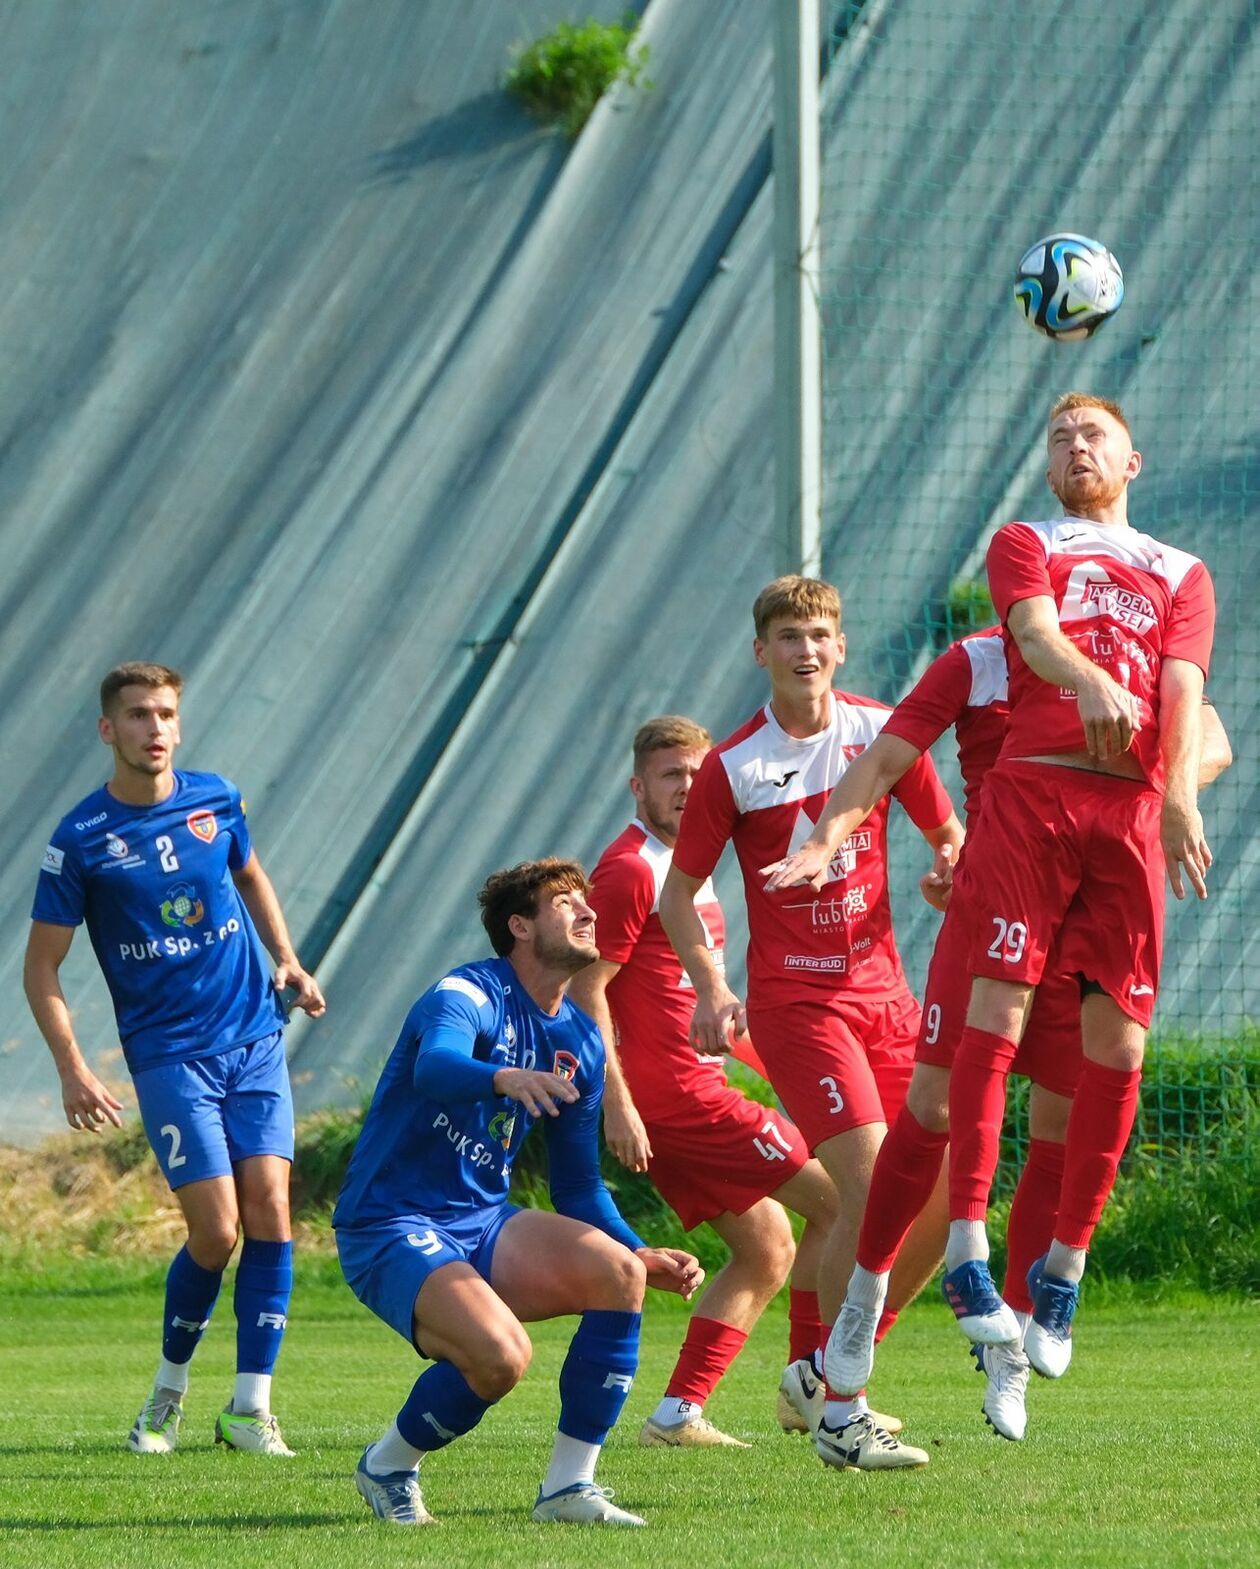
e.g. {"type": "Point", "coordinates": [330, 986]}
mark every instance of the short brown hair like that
{"type": "Point", "coordinates": [517, 891]}
{"type": "Point", "coordinates": [666, 730]}
{"type": "Point", "coordinates": [138, 673]}
{"type": "Point", "coordinates": [795, 596]}
{"type": "Point", "coordinates": [1088, 400]}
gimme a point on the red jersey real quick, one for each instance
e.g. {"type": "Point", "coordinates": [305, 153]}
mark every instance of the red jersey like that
{"type": "Point", "coordinates": [765, 790]}
{"type": "Point", "coordinates": [966, 688]}
{"type": "Point", "coordinates": [650, 998]}
{"type": "Point", "coordinates": [1126, 601]}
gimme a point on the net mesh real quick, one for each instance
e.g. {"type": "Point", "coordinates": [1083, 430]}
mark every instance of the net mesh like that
{"type": "Point", "coordinates": [956, 133]}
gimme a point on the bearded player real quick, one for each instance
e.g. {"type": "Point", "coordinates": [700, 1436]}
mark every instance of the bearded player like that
{"type": "Point", "coordinates": [1093, 798]}
{"type": "Point", "coordinates": [964, 689]}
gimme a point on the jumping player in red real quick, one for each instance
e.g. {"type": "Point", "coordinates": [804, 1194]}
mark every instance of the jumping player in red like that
{"type": "Point", "coordinates": [829, 1007]}
{"type": "Point", "coordinates": [713, 1154]}
{"type": "Point", "coordinates": [1109, 636]}
{"type": "Point", "coordinates": [964, 689]}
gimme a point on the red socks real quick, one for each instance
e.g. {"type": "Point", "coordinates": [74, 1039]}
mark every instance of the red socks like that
{"type": "Point", "coordinates": [1034, 1210]}
{"type": "Point", "coordinates": [906, 1169]}
{"type": "Point", "coordinates": [977, 1105]}
{"type": "Point", "coordinates": [709, 1349]}
{"type": "Point", "coordinates": [805, 1328]}
{"type": "Point", "coordinates": [1098, 1131]}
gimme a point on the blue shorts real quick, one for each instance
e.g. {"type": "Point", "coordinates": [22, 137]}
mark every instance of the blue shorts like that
{"type": "Point", "coordinates": [203, 1116]}
{"type": "Point", "coordinates": [385, 1265]}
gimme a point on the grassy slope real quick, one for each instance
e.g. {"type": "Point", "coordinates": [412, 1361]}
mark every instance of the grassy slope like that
{"type": "Point", "coordinates": [1144, 1454]}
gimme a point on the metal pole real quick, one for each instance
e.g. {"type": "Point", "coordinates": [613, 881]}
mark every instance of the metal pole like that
{"type": "Point", "coordinates": [797, 325]}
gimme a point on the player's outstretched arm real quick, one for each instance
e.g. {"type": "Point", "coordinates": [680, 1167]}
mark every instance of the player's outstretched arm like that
{"type": "Point", "coordinates": [624, 1132]}
{"type": "Point", "coordinates": [1109, 712]}
{"type": "Point", "coordinates": [263, 904]}
{"type": "Point", "coordinates": [865, 783]}
{"type": "Point", "coordinates": [719, 1013]}
{"type": "Point", "coordinates": [88, 1104]}
{"type": "Point", "coordinates": [1181, 742]}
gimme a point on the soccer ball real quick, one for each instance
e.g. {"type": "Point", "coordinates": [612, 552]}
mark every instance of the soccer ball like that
{"type": "Point", "coordinates": [1068, 285]}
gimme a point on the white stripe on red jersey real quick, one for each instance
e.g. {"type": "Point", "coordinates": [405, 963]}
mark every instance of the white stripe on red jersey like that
{"type": "Point", "coordinates": [764, 790]}
{"type": "Point", "coordinates": [965, 687]}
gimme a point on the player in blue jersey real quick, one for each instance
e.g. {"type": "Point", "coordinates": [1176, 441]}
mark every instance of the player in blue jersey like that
{"type": "Point", "coordinates": [425, 1232]}
{"type": "Point", "coordinates": [158, 864]}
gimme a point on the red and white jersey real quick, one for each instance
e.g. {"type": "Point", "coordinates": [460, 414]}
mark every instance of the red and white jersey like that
{"type": "Point", "coordinates": [965, 687]}
{"type": "Point", "coordinates": [650, 998]}
{"type": "Point", "coordinates": [765, 790]}
{"type": "Point", "coordinates": [1126, 601]}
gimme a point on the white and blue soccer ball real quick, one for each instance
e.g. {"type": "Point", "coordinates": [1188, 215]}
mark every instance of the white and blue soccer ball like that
{"type": "Point", "coordinates": [1067, 285]}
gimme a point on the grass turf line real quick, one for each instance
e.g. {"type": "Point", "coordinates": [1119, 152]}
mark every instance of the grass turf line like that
{"type": "Point", "coordinates": [1143, 1454]}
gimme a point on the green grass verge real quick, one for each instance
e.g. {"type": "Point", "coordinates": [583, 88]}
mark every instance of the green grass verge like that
{"type": "Point", "coordinates": [1144, 1454]}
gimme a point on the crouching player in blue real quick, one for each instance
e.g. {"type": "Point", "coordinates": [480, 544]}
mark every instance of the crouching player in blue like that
{"type": "Point", "coordinates": [160, 866]}
{"type": "Point", "coordinates": [428, 1239]}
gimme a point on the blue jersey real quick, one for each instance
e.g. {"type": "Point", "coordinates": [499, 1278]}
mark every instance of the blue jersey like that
{"type": "Point", "coordinates": [439, 1143]}
{"type": "Point", "coordinates": [183, 963]}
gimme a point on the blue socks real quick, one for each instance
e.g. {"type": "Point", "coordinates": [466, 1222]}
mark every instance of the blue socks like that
{"type": "Point", "coordinates": [440, 1407]}
{"type": "Point", "coordinates": [191, 1293]}
{"type": "Point", "coordinates": [597, 1374]}
{"type": "Point", "coordinates": [264, 1283]}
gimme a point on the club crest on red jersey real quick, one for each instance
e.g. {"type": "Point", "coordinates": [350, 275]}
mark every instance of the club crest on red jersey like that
{"type": "Point", "coordinates": [203, 826]}
{"type": "Point", "coordinates": [565, 1065]}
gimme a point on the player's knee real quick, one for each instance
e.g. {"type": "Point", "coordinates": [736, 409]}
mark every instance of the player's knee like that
{"type": "Point", "coordinates": [625, 1280]}
{"type": "Point", "coordinates": [266, 1216]}
{"type": "Point", "coordinates": [500, 1363]}
{"type": "Point", "coordinates": [928, 1103]}
{"type": "Point", "coordinates": [773, 1251]}
{"type": "Point", "coordinates": [211, 1243]}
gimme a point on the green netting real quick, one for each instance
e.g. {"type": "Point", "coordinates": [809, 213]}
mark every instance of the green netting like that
{"type": "Point", "coordinates": [955, 133]}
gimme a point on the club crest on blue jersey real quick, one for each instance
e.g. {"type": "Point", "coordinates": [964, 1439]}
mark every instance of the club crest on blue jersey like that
{"type": "Point", "coordinates": [203, 826]}
{"type": "Point", "coordinates": [565, 1065]}
{"type": "Point", "coordinates": [116, 847]}
{"type": "Point", "coordinates": [182, 907]}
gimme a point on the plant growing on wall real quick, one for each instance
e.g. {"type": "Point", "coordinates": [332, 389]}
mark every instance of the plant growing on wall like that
{"type": "Point", "coordinates": [561, 76]}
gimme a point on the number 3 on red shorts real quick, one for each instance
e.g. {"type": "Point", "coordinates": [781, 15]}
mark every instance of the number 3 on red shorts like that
{"type": "Point", "coordinates": [833, 1091]}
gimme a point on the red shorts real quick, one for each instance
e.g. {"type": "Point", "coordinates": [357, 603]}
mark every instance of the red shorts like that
{"type": "Point", "coordinates": [1067, 860]}
{"type": "Point", "coordinates": [725, 1155]}
{"type": "Point", "coordinates": [1049, 1053]}
{"type": "Point", "coordinates": [838, 1062]}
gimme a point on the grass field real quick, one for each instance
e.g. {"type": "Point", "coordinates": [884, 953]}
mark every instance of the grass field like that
{"type": "Point", "coordinates": [1145, 1454]}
